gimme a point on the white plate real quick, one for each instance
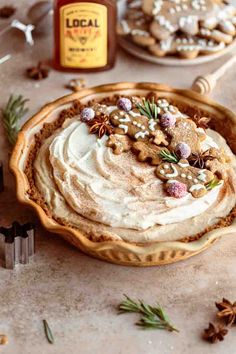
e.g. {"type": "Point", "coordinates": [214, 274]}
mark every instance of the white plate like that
{"type": "Point", "coordinates": [141, 53]}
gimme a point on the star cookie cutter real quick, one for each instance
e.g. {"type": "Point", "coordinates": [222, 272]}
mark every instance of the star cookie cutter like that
{"type": "Point", "coordinates": [19, 243]}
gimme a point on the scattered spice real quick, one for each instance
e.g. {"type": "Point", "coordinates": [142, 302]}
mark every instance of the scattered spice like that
{"type": "Point", "coordinates": [199, 159]}
{"type": "Point", "coordinates": [39, 72]}
{"type": "Point", "coordinates": [12, 114]}
{"type": "Point", "coordinates": [48, 332]}
{"type": "Point", "coordinates": [215, 333]}
{"type": "Point", "coordinates": [7, 11]}
{"type": "Point", "coordinates": [76, 84]}
{"type": "Point", "coordinates": [227, 311]}
{"type": "Point", "coordinates": [100, 125]}
{"type": "Point", "coordinates": [152, 317]}
{"type": "Point", "coordinates": [3, 339]}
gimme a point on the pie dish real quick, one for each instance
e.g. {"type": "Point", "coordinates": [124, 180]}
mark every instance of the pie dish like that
{"type": "Point", "coordinates": [129, 173]}
{"type": "Point", "coordinates": [155, 31]}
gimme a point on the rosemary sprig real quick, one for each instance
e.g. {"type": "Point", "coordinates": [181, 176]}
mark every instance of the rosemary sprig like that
{"type": "Point", "coordinates": [12, 114]}
{"type": "Point", "coordinates": [148, 108]}
{"type": "Point", "coordinates": [169, 156]}
{"type": "Point", "coordinates": [48, 332]}
{"type": "Point", "coordinates": [152, 317]}
{"type": "Point", "coordinates": [213, 184]}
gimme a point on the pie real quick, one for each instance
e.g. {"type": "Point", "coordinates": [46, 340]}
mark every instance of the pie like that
{"type": "Point", "coordinates": [134, 167]}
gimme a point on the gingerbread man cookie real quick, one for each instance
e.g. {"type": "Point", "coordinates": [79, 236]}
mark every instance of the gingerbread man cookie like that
{"type": "Point", "coordinates": [170, 16]}
{"type": "Point", "coordinates": [185, 131]}
{"type": "Point", "coordinates": [148, 152]}
{"type": "Point", "coordinates": [193, 178]}
{"type": "Point", "coordinates": [137, 127]}
{"type": "Point", "coordinates": [119, 143]}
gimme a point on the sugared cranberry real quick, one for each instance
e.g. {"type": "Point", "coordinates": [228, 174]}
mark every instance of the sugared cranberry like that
{"type": "Point", "coordinates": [176, 189]}
{"type": "Point", "coordinates": [87, 114]}
{"type": "Point", "coordinates": [124, 104]}
{"type": "Point", "coordinates": [168, 120]}
{"type": "Point", "coordinates": [183, 150]}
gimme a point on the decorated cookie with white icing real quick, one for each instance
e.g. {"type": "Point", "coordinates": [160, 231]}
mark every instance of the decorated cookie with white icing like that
{"type": "Point", "coordinates": [137, 127]}
{"type": "Point", "coordinates": [194, 178]}
{"type": "Point", "coordinates": [185, 131]}
{"type": "Point", "coordinates": [185, 28]}
{"type": "Point", "coordinates": [186, 47]}
{"type": "Point", "coordinates": [170, 16]}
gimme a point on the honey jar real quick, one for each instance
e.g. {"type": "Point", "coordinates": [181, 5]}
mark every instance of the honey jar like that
{"type": "Point", "coordinates": [85, 35]}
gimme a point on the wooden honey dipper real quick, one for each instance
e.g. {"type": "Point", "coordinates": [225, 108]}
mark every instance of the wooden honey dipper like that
{"type": "Point", "coordinates": [205, 84]}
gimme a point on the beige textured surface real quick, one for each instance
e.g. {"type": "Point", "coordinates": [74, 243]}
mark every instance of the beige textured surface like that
{"type": "Point", "coordinates": [77, 294]}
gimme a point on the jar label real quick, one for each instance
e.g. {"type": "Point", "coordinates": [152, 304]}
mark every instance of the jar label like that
{"type": "Point", "coordinates": [83, 35]}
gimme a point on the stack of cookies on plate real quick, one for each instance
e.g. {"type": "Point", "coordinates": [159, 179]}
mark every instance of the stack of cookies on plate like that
{"type": "Point", "coordinates": [184, 28]}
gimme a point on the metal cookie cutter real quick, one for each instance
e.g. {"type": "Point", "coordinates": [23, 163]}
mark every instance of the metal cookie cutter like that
{"type": "Point", "coordinates": [19, 243]}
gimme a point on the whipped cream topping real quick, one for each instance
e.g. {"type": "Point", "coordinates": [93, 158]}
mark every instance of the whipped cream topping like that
{"type": "Point", "coordinates": [115, 190]}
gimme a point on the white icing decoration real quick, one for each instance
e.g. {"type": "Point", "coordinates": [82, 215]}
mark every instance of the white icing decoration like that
{"type": "Point", "coordinates": [152, 124]}
{"type": "Point", "coordinates": [202, 175]}
{"type": "Point", "coordinates": [196, 187]}
{"type": "Point", "coordinates": [138, 32]}
{"type": "Point", "coordinates": [174, 174]}
{"type": "Point", "coordinates": [181, 164]}
{"type": "Point", "coordinates": [125, 27]}
{"type": "Point", "coordinates": [141, 134]}
{"type": "Point", "coordinates": [126, 119]}
{"type": "Point", "coordinates": [124, 127]}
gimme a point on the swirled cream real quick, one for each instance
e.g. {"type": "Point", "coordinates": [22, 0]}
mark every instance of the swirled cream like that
{"type": "Point", "coordinates": [89, 187]}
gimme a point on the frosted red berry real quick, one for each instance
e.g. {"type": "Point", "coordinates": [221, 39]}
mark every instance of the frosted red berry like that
{"type": "Point", "coordinates": [124, 104]}
{"type": "Point", "coordinates": [87, 114]}
{"type": "Point", "coordinates": [183, 150]}
{"type": "Point", "coordinates": [176, 189]}
{"type": "Point", "coordinates": [167, 120]}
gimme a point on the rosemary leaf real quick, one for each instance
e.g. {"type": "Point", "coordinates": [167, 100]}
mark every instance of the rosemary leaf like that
{"type": "Point", "coordinates": [148, 109]}
{"type": "Point", "coordinates": [48, 332]}
{"type": "Point", "coordinates": [169, 156]}
{"type": "Point", "coordinates": [12, 114]}
{"type": "Point", "coordinates": [152, 317]}
{"type": "Point", "coordinates": [213, 184]}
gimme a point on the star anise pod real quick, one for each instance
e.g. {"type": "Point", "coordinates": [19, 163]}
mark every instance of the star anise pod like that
{"type": "Point", "coordinates": [7, 11]}
{"type": "Point", "coordinates": [39, 72]}
{"type": "Point", "coordinates": [227, 311]}
{"type": "Point", "coordinates": [100, 125]}
{"type": "Point", "coordinates": [199, 159]}
{"type": "Point", "coordinates": [214, 333]}
{"type": "Point", "coordinates": [202, 122]}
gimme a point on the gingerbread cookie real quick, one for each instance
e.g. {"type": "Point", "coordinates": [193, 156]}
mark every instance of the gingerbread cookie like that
{"type": "Point", "coordinates": [185, 131]}
{"type": "Point", "coordinates": [194, 178]}
{"type": "Point", "coordinates": [216, 35]}
{"type": "Point", "coordinates": [137, 30]}
{"type": "Point", "coordinates": [148, 152]}
{"type": "Point", "coordinates": [185, 28]}
{"type": "Point", "coordinates": [218, 168]}
{"type": "Point", "coordinates": [158, 137]}
{"type": "Point", "coordinates": [119, 143]}
{"type": "Point", "coordinates": [137, 127]}
{"type": "Point", "coordinates": [186, 47]}
{"type": "Point", "coordinates": [170, 16]}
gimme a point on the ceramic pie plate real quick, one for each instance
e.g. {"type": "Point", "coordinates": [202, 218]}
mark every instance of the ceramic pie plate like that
{"type": "Point", "coordinates": [143, 54]}
{"type": "Point", "coordinates": [121, 252]}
